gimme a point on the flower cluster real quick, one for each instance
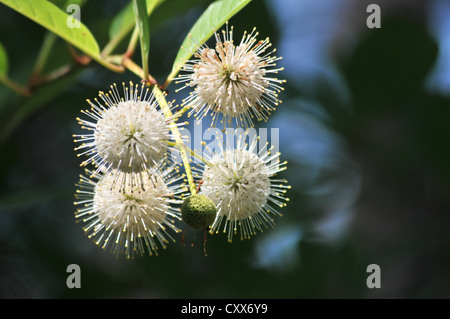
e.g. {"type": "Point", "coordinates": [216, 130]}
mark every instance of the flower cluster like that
{"type": "Point", "coordinates": [130, 199]}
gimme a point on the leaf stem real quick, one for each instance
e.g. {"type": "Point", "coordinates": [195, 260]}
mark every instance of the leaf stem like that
{"type": "Point", "coordinates": [15, 86]}
{"type": "Point", "coordinates": [108, 65]}
{"type": "Point", "coordinates": [132, 44]}
{"type": "Point", "coordinates": [111, 45]}
{"type": "Point", "coordinates": [85, 60]}
{"type": "Point", "coordinates": [37, 80]}
{"type": "Point", "coordinates": [133, 67]}
{"type": "Point", "coordinates": [47, 45]}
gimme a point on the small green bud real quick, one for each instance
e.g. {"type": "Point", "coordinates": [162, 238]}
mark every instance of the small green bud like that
{"type": "Point", "coordinates": [198, 211]}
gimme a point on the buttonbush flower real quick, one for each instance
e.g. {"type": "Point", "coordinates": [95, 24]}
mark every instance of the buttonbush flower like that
{"type": "Point", "coordinates": [129, 220]}
{"type": "Point", "coordinates": [241, 183]}
{"type": "Point", "coordinates": [233, 80]}
{"type": "Point", "coordinates": [129, 134]}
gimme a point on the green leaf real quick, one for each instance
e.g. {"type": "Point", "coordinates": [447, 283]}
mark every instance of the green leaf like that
{"type": "Point", "coordinates": [140, 11]}
{"type": "Point", "coordinates": [54, 19]}
{"type": "Point", "coordinates": [3, 62]}
{"type": "Point", "coordinates": [212, 19]}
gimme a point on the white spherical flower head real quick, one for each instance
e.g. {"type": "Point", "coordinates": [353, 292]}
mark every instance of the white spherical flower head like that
{"type": "Point", "coordinates": [130, 220]}
{"type": "Point", "coordinates": [240, 182]}
{"type": "Point", "coordinates": [246, 185]}
{"type": "Point", "coordinates": [233, 80]}
{"type": "Point", "coordinates": [132, 136]}
{"type": "Point", "coordinates": [128, 134]}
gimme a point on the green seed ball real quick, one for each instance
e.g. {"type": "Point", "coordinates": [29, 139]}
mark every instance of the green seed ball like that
{"type": "Point", "coordinates": [198, 211]}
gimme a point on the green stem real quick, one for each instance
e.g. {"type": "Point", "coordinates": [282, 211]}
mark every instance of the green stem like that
{"type": "Point", "coordinates": [49, 77]}
{"type": "Point", "coordinates": [132, 44]}
{"type": "Point", "coordinates": [178, 140]}
{"type": "Point", "coordinates": [108, 65]}
{"type": "Point", "coordinates": [169, 79]}
{"type": "Point", "coordinates": [111, 45]}
{"type": "Point", "coordinates": [47, 45]}
{"type": "Point", "coordinates": [15, 86]}
{"type": "Point", "coordinates": [86, 59]}
{"type": "Point", "coordinates": [133, 67]}
{"type": "Point", "coordinates": [182, 111]}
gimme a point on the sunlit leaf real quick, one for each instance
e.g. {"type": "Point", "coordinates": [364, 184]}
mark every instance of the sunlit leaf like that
{"type": "Point", "coordinates": [212, 19]}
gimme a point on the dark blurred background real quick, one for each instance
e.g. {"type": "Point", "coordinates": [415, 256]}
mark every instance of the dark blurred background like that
{"type": "Point", "coordinates": [363, 125]}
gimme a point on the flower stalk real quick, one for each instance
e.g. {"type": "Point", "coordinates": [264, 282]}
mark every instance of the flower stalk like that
{"type": "Point", "coordinates": [160, 96]}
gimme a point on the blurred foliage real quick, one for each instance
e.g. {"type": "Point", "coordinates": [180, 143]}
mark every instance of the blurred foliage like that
{"type": "Point", "coordinates": [377, 165]}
